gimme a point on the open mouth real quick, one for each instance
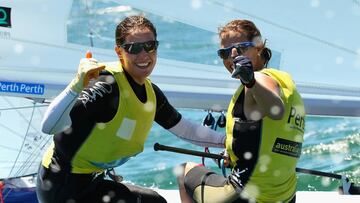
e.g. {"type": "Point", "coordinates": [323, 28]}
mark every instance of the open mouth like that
{"type": "Point", "coordinates": [143, 65]}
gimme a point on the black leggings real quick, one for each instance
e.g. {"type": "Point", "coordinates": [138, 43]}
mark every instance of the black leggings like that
{"type": "Point", "coordinates": [90, 188]}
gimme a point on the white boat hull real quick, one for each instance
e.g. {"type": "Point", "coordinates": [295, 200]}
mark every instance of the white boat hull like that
{"type": "Point", "coordinates": [172, 196]}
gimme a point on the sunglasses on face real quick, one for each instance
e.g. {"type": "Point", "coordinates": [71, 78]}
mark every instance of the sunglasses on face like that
{"type": "Point", "coordinates": [240, 48]}
{"type": "Point", "coordinates": [137, 47]}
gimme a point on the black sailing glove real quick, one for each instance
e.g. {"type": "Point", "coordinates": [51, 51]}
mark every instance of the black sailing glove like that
{"type": "Point", "coordinates": [243, 68]}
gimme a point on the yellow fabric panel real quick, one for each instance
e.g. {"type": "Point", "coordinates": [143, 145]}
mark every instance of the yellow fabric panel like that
{"type": "Point", "coordinates": [110, 144]}
{"type": "Point", "coordinates": [46, 160]}
{"type": "Point", "coordinates": [274, 173]}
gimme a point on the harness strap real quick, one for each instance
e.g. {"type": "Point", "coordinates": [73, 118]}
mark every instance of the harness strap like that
{"type": "Point", "coordinates": [111, 173]}
{"type": "Point", "coordinates": [203, 181]}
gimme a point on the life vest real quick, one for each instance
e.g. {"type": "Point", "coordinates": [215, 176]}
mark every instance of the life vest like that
{"type": "Point", "coordinates": [268, 148]}
{"type": "Point", "coordinates": [113, 143]}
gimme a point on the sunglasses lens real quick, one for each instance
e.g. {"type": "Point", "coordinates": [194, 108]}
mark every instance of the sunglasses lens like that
{"type": "Point", "coordinates": [240, 48]}
{"type": "Point", "coordinates": [224, 53]}
{"type": "Point", "coordinates": [135, 48]}
{"type": "Point", "coordinates": [150, 46]}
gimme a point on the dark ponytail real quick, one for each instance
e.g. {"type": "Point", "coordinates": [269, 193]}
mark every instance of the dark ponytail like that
{"type": "Point", "coordinates": [266, 55]}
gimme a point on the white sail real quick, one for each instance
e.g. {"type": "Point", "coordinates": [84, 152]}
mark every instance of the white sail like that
{"type": "Point", "coordinates": [48, 59]}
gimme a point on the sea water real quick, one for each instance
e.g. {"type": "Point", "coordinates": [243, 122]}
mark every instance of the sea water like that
{"type": "Point", "coordinates": [331, 144]}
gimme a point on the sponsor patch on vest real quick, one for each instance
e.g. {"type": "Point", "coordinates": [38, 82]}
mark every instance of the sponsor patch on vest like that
{"type": "Point", "coordinates": [287, 147]}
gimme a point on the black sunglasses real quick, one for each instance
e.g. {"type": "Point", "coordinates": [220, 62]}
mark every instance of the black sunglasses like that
{"type": "Point", "coordinates": [137, 47]}
{"type": "Point", "coordinates": [240, 48]}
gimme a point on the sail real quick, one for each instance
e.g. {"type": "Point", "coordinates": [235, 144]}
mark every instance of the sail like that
{"type": "Point", "coordinates": [302, 32]}
{"type": "Point", "coordinates": [48, 57]}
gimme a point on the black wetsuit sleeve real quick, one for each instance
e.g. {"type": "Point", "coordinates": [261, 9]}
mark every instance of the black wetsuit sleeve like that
{"type": "Point", "coordinates": [166, 115]}
{"type": "Point", "coordinates": [98, 102]}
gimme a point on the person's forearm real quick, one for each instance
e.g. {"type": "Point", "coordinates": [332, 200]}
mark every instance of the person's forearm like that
{"type": "Point", "coordinates": [267, 100]}
{"type": "Point", "coordinates": [198, 134]}
{"type": "Point", "coordinates": [57, 118]}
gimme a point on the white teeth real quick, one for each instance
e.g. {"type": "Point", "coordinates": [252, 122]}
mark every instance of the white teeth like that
{"type": "Point", "coordinates": [142, 64]}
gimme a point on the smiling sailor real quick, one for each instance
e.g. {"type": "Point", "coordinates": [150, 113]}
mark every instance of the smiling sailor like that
{"type": "Point", "coordinates": [102, 126]}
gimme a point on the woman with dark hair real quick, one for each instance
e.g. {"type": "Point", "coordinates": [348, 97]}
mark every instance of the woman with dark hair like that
{"type": "Point", "coordinates": [101, 125]}
{"type": "Point", "coordinates": [264, 128]}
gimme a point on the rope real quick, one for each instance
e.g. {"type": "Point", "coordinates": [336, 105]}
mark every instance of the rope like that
{"type": "Point", "coordinates": [23, 143]}
{"type": "Point", "coordinates": [266, 20]}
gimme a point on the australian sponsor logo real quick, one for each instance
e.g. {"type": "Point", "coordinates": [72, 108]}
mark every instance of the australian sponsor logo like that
{"type": "Point", "coordinates": [287, 147]}
{"type": "Point", "coordinates": [296, 119]}
{"type": "Point", "coordinates": [5, 17]}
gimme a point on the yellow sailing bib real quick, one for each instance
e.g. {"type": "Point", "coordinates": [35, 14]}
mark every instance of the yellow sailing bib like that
{"type": "Point", "coordinates": [273, 178]}
{"type": "Point", "coordinates": [113, 143]}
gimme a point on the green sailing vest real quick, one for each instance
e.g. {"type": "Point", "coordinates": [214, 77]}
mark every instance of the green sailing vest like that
{"type": "Point", "coordinates": [113, 143]}
{"type": "Point", "coordinates": [274, 177]}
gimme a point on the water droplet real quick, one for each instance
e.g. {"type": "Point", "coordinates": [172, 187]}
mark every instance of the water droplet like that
{"type": "Point", "coordinates": [247, 155]}
{"type": "Point", "coordinates": [126, 93]}
{"type": "Point", "coordinates": [55, 168]}
{"type": "Point", "coordinates": [250, 192]}
{"type": "Point", "coordinates": [101, 126]}
{"type": "Point", "coordinates": [277, 173]}
{"type": "Point", "coordinates": [325, 181]}
{"type": "Point", "coordinates": [47, 185]}
{"type": "Point", "coordinates": [315, 3]}
{"type": "Point", "coordinates": [168, 45]}
{"type": "Point", "coordinates": [275, 110]}
{"type": "Point", "coordinates": [196, 4]}
{"type": "Point", "coordinates": [298, 138]}
{"type": "Point", "coordinates": [111, 193]}
{"type": "Point", "coordinates": [255, 115]}
{"type": "Point", "coordinates": [19, 48]}
{"type": "Point", "coordinates": [263, 168]}
{"type": "Point", "coordinates": [339, 60]}
{"type": "Point", "coordinates": [68, 130]}
{"type": "Point", "coordinates": [109, 79]}
{"type": "Point", "coordinates": [264, 160]}
{"type": "Point", "coordinates": [149, 106]}
{"type": "Point", "coordinates": [178, 170]}
{"type": "Point", "coordinates": [106, 198]}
